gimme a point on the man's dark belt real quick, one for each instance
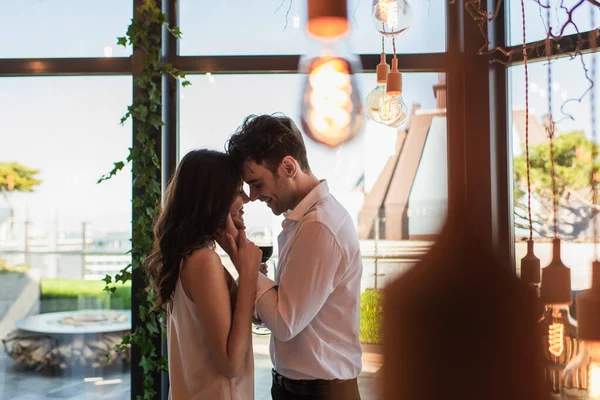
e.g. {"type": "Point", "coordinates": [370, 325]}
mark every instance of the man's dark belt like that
{"type": "Point", "coordinates": [307, 387]}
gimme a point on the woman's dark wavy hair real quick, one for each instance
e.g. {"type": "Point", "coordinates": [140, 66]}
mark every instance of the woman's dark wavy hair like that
{"type": "Point", "coordinates": [197, 201]}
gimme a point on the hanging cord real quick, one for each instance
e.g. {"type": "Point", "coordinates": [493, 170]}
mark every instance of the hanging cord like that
{"type": "Point", "coordinates": [550, 128]}
{"type": "Point", "coordinates": [594, 172]}
{"type": "Point", "coordinates": [527, 121]}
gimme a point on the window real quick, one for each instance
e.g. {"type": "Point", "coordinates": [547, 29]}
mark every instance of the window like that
{"type": "Point", "coordinates": [363, 175]}
{"type": "Point", "coordinates": [246, 27]}
{"type": "Point", "coordinates": [573, 144]}
{"type": "Point", "coordinates": [66, 234]}
{"type": "Point", "coordinates": [537, 23]}
{"type": "Point", "coordinates": [64, 28]}
{"type": "Point", "coordinates": [71, 231]}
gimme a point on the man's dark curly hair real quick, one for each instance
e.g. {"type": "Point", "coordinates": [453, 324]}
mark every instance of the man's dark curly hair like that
{"type": "Point", "coordinates": [267, 139]}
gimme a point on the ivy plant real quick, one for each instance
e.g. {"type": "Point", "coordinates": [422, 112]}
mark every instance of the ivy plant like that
{"type": "Point", "coordinates": [144, 34]}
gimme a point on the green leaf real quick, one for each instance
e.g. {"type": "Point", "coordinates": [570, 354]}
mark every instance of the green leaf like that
{"type": "Point", "coordinates": [122, 41]}
{"type": "Point", "coordinates": [107, 279]}
{"type": "Point", "coordinates": [156, 121]}
{"type": "Point", "coordinates": [126, 339]}
{"type": "Point", "coordinates": [152, 327]}
{"type": "Point", "coordinates": [186, 83]}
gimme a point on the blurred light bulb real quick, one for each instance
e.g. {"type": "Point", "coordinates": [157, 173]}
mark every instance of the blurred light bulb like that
{"type": "Point", "coordinates": [559, 330]}
{"type": "Point", "coordinates": [392, 110]}
{"type": "Point", "coordinates": [375, 96]}
{"type": "Point", "coordinates": [392, 17]}
{"type": "Point", "coordinates": [296, 21]}
{"type": "Point", "coordinates": [108, 51]}
{"type": "Point", "coordinates": [331, 112]}
{"type": "Point", "coordinates": [331, 109]}
{"type": "Point", "coordinates": [210, 77]}
{"type": "Point", "coordinates": [581, 377]}
{"type": "Point", "coordinates": [560, 342]}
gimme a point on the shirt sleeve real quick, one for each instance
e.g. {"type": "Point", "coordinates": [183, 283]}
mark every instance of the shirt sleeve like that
{"type": "Point", "coordinates": [314, 266]}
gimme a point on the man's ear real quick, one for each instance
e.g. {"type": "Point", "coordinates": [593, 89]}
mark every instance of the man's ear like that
{"type": "Point", "coordinates": [289, 167]}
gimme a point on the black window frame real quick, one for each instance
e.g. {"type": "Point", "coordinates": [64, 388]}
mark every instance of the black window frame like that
{"type": "Point", "coordinates": [479, 158]}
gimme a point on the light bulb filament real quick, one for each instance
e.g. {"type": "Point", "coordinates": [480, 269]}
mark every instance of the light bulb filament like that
{"type": "Point", "coordinates": [556, 333]}
{"type": "Point", "coordinates": [330, 96]}
{"type": "Point", "coordinates": [388, 11]}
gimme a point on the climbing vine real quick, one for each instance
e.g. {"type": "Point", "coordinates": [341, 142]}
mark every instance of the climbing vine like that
{"type": "Point", "coordinates": [144, 34]}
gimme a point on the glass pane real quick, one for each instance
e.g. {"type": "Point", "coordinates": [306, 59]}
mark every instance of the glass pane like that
{"type": "Point", "coordinates": [573, 131]}
{"type": "Point", "coordinates": [242, 27]}
{"type": "Point", "coordinates": [64, 28]}
{"type": "Point", "coordinates": [60, 239]}
{"type": "Point", "coordinates": [358, 173]}
{"type": "Point", "coordinates": [537, 22]}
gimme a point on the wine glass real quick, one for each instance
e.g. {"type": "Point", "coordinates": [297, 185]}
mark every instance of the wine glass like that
{"type": "Point", "coordinates": [262, 236]}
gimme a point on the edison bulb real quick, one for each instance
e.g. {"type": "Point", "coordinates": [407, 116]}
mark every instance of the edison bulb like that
{"type": "Point", "coordinates": [374, 101]}
{"type": "Point", "coordinates": [331, 111]}
{"type": "Point", "coordinates": [559, 333]}
{"type": "Point", "coordinates": [581, 377]}
{"type": "Point", "coordinates": [392, 17]}
{"type": "Point", "coordinates": [392, 110]}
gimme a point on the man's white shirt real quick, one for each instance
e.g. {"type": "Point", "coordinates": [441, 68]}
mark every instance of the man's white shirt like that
{"type": "Point", "coordinates": [313, 307]}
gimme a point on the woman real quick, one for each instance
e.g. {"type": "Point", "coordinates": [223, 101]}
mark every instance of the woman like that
{"type": "Point", "coordinates": [209, 316]}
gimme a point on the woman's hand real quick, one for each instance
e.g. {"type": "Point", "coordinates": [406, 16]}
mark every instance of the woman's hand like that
{"type": "Point", "coordinates": [246, 256]}
{"type": "Point", "coordinates": [238, 221]}
{"type": "Point", "coordinates": [230, 229]}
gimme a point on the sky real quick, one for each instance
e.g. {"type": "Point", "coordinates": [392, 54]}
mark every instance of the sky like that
{"type": "Point", "coordinates": [68, 127]}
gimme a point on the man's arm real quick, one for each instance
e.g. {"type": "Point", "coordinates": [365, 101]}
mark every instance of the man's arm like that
{"type": "Point", "coordinates": [313, 268]}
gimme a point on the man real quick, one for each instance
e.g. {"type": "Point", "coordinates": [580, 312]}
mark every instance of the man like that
{"type": "Point", "coordinates": [313, 307]}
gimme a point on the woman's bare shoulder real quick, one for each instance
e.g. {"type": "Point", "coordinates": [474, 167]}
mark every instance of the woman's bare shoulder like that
{"type": "Point", "coordinates": [202, 268]}
{"type": "Point", "coordinates": [203, 257]}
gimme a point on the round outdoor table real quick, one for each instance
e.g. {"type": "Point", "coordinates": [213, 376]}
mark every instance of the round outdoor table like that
{"type": "Point", "coordinates": [50, 323]}
{"type": "Point", "coordinates": [71, 339]}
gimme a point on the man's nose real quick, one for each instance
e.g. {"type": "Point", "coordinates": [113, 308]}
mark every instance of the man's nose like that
{"type": "Point", "coordinates": [253, 194]}
{"type": "Point", "coordinates": [245, 197]}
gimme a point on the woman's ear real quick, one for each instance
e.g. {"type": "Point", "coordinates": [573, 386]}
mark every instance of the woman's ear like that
{"type": "Point", "coordinates": [289, 166]}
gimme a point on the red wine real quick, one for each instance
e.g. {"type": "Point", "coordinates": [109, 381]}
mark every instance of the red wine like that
{"type": "Point", "coordinates": [267, 252]}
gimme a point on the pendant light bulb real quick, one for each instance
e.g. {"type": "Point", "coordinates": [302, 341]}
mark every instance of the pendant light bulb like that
{"type": "Point", "coordinates": [331, 111]}
{"type": "Point", "coordinates": [392, 17]}
{"type": "Point", "coordinates": [581, 377]}
{"type": "Point", "coordinates": [392, 110]}
{"type": "Point", "coordinates": [559, 329]}
{"type": "Point", "coordinates": [374, 97]}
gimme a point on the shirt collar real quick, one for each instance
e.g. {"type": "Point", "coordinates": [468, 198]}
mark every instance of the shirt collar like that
{"type": "Point", "coordinates": [319, 192]}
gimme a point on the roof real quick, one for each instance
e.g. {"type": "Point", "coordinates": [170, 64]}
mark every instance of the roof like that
{"type": "Point", "coordinates": [393, 186]}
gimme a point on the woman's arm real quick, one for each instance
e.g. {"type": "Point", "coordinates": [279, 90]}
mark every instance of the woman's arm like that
{"type": "Point", "coordinates": [227, 337]}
